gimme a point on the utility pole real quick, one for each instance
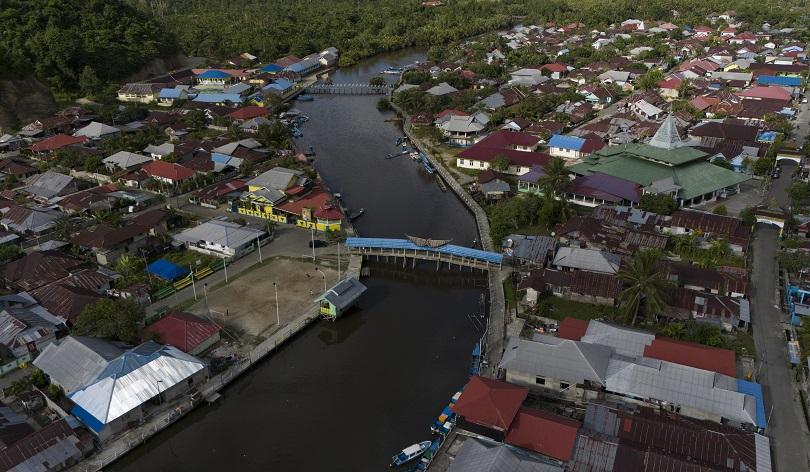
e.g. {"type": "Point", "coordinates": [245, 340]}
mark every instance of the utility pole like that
{"type": "Point", "coordinates": [278, 317]}
{"type": "Point", "coordinates": [259, 246]}
{"type": "Point", "coordinates": [312, 241]}
{"type": "Point", "coordinates": [193, 285]}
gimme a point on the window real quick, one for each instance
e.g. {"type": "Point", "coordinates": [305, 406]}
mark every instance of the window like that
{"type": "Point", "coordinates": [540, 380]}
{"type": "Point", "coordinates": [564, 385]}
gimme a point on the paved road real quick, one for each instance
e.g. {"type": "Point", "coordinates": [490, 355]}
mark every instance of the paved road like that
{"type": "Point", "coordinates": [787, 434]}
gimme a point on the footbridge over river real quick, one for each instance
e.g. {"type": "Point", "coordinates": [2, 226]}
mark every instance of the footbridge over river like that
{"type": "Point", "coordinates": [348, 89]}
{"type": "Point", "coordinates": [419, 249]}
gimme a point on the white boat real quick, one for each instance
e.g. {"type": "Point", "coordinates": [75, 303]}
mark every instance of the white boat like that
{"type": "Point", "coordinates": [410, 453]}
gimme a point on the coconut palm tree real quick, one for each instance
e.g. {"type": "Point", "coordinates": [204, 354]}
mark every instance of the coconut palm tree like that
{"type": "Point", "coordinates": [645, 286]}
{"type": "Point", "coordinates": [556, 177]}
{"type": "Point", "coordinates": [719, 248]}
{"type": "Point", "coordinates": [685, 244]}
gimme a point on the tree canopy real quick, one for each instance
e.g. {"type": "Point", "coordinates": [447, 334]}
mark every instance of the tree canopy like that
{"type": "Point", "coordinates": [112, 319]}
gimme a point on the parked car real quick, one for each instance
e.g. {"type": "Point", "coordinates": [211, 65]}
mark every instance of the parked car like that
{"type": "Point", "coordinates": [318, 243]}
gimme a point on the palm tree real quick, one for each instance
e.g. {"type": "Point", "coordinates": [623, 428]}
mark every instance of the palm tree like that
{"type": "Point", "coordinates": [556, 177]}
{"type": "Point", "coordinates": [645, 285]}
{"type": "Point", "coordinates": [719, 248]}
{"type": "Point", "coordinates": [685, 244]}
{"type": "Point", "coordinates": [674, 330]}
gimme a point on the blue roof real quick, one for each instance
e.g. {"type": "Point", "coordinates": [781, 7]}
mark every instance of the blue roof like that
{"type": "Point", "coordinates": [272, 68]}
{"type": "Point", "coordinates": [166, 270]}
{"type": "Point", "coordinates": [218, 98]}
{"type": "Point", "coordinates": [755, 390]}
{"type": "Point", "coordinates": [279, 84]}
{"type": "Point", "coordinates": [779, 80]}
{"type": "Point", "coordinates": [169, 93]}
{"type": "Point", "coordinates": [213, 74]}
{"type": "Point", "coordinates": [566, 142]}
{"type": "Point", "coordinates": [221, 158]}
{"type": "Point", "coordinates": [85, 417]}
{"type": "Point", "coordinates": [449, 249]}
{"type": "Point", "coordinates": [767, 136]}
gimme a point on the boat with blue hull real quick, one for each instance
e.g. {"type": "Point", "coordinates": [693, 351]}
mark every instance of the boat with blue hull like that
{"type": "Point", "coordinates": [410, 453]}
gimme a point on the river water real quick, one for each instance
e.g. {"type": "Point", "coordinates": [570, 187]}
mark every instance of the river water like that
{"type": "Point", "coordinates": [347, 395]}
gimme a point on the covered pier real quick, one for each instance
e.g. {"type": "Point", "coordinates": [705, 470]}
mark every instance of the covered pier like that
{"type": "Point", "coordinates": [414, 249]}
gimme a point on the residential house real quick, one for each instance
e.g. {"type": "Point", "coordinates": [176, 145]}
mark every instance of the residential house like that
{"type": "Point", "coordinates": [480, 455]}
{"type": "Point", "coordinates": [50, 185]}
{"type": "Point", "coordinates": [269, 189]}
{"type": "Point", "coordinates": [493, 185]}
{"type": "Point", "coordinates": [125, 160]}
{"type": "Point", "coordinates": [57, 142]}
{"type": "Point", "coordinates": [442, 89]}
{"type": "Point", "coordinates": [572, 148]}
{"type": "Point", "coordinates": [139, 92]}
{"type": "Point", "coordinates": [340, 298]}
{"type": "Point", "coordinates": [109, 243]}
{"type": "Point", "coordinates": [516, 147]}
{"type": "Point", "coordinates": [185, 331]}
{"type": "Point", "coordinates": [213, 78]}
{"type": "Point", "coordinates": [527, 77]}
{"type": "Point", "coordinates": [169, 96]}
{"type": "Point", "coordinates": [65, 299]}
{"type": "Point", "coordinates": [28, 221]}
{"type": "Point", "coordinates": [600, 189]}
{"type": "Point", "coordinates": [97, 131]}
{"type": "Point", "coordinates": [592, 260]}
{"type": "Point", "coordinates": [219, 193]}
{"type": "Point", "coordinates": [578, 285]}
{"type": "Point", "coordinates": [489, 407]}
{"type": "Point", "coordinates": [314, 210]}
{"type": "Point", "coordinates": [55, 447]}
{"type": "Point", "coordinates": [464, 130]}
{"type": "Point", "coordinates": [725, 312]}
{"type": "Point", "coordinates": [529, 251]}
{"type": "Point", "coordinates": [114, 386]}
{"type": "Point", "coordinates": [168, 172]}
{"type": "Point", "coordinates": [221, 238]}
{"type": "Point", "coordinates": [37, 269]}
{"type": "Point", "coordinates": [28, 327]}
{"type": "Point", "coordinates": [709, 225]}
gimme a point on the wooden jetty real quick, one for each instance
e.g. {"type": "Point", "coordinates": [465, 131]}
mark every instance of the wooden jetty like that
{"type": "Point", "coordinates": [441, 183]}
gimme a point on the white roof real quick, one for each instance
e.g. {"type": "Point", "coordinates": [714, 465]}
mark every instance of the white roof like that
{"type": "Point", "coordinates": [223, 233]}
{"type": "Point", "coordinates": [442, 89]}
{"type": "Point", "coordinates": [161, 150]}
{"type": "Point", "coordinates": [648, 108]}
{"type": "Point", "coordinates": [463, 124]}
{"type": "Point", "coordinates": [625, 341]}
{"type": "Point", "coordinates": [587, 259]}
{"type": "Point", "coordinates": [229, 148]}
{"type": "Point", "coordinates": [96, 130]}
{"type": "Point", "coordinates": [557, 358]}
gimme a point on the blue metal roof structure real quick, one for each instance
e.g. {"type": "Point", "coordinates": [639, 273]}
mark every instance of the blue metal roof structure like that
{"type": "Point", "coordinates": [272, 68]}
{"type": "Point", "coordinates": [279, 84]}
{"type": "Point", "coordinates": [783, 81]}
{"type": "Point", "coordinates": [566, 142]}
{"type": "Point", "coordinates": [404, 244]}
{"type": "Point", "coordinates": [218, 98]}
{"type": "Point", "coordinates": [166, 270]}
{"type": "Point", "coordinates": [169, 93]}
{"type": "Point", "coordinates": [213, 74]}
{"type": "Point", "coordinates": [755, 390]}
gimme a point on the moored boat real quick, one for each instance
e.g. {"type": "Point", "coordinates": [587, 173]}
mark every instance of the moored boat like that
{"type": "Point", "coordinates": [410, 453]}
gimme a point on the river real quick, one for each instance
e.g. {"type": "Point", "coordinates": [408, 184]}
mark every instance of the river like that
{"type": "Point", "coordinates": [346, 395]}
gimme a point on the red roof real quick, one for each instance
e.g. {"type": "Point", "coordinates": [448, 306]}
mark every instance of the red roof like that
{"type": "Point", "coordinates": [670, 83]}
{"type": "Point", "coordinates": [540, 431]}
{"type": "Point", "coordinates": [572, 328]}
{"type": "Point", "coordinates": [507, 138]}
{"type": "Point", "coordinates": [771, 93]}
{"type": "Point", "coordinates": [490, 403]}
{"type": "Point", "coordinates": [319, 201]}
{"type": "Point", "coordinates": [451, 112]}
{"type": "Point", "coordinates": [699, 356]}
{"type": "Point", "coordinates": [555, 67]}
{"type": "Point", "coordinates": [168, 170]}
{"type": "Point", "coordinates": [57, 142]}
{"type": "Point", "coordinates": [183, 330]}
{"type": "Point", "coordinates": [248, 113]}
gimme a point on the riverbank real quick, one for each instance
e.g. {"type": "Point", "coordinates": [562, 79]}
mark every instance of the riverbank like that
{"type": "Point", "coordinates": [498, 318]}
{"type": "Point", "coordinates": [209, 391]}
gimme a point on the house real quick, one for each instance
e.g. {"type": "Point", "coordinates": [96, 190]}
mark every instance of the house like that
{"type": "Point", "coordinates": [600, 189]}
{"type": "Point", "coordinates": [221, 238]}
{"type": "Point", "coordinates": [516, 147]}
{"type": "Point", "coordinates": [442, 89]}
{"type": "Point", "coordinates": [646, 110]}
{"type": "Point", "coordinates": [66, 300]}
{"type": "Point", "coordinates": [28, 221]}
{"type": "Point", "coordinates": [168, 172]}
{"type": "Point", "coordinates": [56, 142]}
{"type": "Point", "coordinates": [723, 282]}
{"type": "Point", "coordinates": [725, 312]}
{"type": "Point", "coordinates": [342, 296]}
{"type": "Point", "coordinates": [55, 447]}
{"type": "Point", "coordinates": [28, 327]}
{"type": "Point", "coordinates": [464, 130]}
{"type": "Point", "coordinates": [664, 165]}
{"type": "Point", "coordinates": [169, 96]}
{"type": "Point", "coordinates": [527, 77]}
{"type": "Point", "coordinates": [578, 285]}
{"type": "Point", "coordinates": [488, 406]}
{"type": "Point", "coordinates": [139, 92]}
{"type": "Point", "coordinates": [702, 32]}
{"type": "Point", "coordinates": [109, 243]}
{"type": "Point", "coordinates": [97, 131]}
{"type": "Point", "coordinates": [185, 331]}
{"type": "Point", "coordinates": [480, 455]}
{"type": "Point", "coordinates": [213, 78]}
{"type": "Point", "coordinates": [572, 148]}
{"type": "Point", "coordinates": [306, 65]}
{"type": "Point", "coordinates": [19, 168]}
{"type": "Point", "coordinates": [102, 197]}
{"type": "Point", "coordinates": [709, 225]}
{"type": "Point", "coordinates": [315, 210]}
{"type": "Point", "coordinates": [220, 99]}
{"type": "Point", "coordinates": [37, 269]}
{"type": "Point", "coordinates": [762, 93]}
{"type": "Point", "coordinates": [113, 386]}
{"type": "Point", "coordinates": [124, 160]}
{"type": "Point", "coordinates": [279, 87]}
{"type": "Point", "coordinates": [493, 185]}
{"type": "Point", "coordinates": [592, 260]}
{"type": "Point", "coordinates": [543, 432]}
{"type": "Point", "coordinates": [555, 70]}
{"type": "Point", "coordinates": [219, 193]}
{"type": "Point", "coordinates": [47, 186]}
{"type": "Point", "coordinates": [530, 251]}
{"type": "Point", "coordinates": [248, 112]}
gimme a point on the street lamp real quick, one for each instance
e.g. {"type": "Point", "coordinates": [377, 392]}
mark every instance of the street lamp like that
{"type": "Point", "coordinates": [324, 278]}
{"type": "Point", "coordinates": [312, 242]}
{"type": "Point", "coordinates": [278, 317]}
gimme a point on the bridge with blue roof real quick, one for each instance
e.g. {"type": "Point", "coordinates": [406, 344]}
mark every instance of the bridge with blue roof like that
{"type": "Point", "coordinates": [425, 250]}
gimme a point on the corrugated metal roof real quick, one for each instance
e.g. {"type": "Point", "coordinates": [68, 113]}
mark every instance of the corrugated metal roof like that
{"type": "Point", "coordinates": [404, 244]}
{"type": "Point", "coordinates": [222, 233]}
{"type": "Point", "coordinates": [476, 455]}
{"type": "Point", "coordinates": [625, 341]}
{"type": "Point", "coordinates": [74, 361]}
{"type": "Point", "coordinates": [563, 359]}
{"type": "Point", "coordinates": [566, 142]}
{"type": "Point", "coordinates": [344, 293]}
{"type": "Point", "coordinates": [588, 259]}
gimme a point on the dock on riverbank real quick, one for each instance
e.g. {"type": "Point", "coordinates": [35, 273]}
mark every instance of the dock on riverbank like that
{"type": "Point", "coordinates": [209, 391]}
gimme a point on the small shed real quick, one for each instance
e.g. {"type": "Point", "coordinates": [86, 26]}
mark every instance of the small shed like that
{"type": "Point", "coordinates": [341, 297]}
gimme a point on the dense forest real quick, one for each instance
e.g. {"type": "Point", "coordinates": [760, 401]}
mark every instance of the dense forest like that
{"type": "Point", "coordinates": [78, 45]}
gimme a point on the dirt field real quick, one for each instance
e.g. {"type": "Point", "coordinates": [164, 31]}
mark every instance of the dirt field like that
{"type": "Point", "coordinates": [248, 303]}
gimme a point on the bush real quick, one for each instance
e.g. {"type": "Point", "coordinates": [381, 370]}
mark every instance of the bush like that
{"type": "Point", "coordinates": [658, 203]}
{"type": "Point", "coordinates": [720, 210]}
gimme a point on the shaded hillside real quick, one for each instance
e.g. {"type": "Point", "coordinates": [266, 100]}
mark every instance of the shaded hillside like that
{"type": "Point", "coordinates": [22, 101]}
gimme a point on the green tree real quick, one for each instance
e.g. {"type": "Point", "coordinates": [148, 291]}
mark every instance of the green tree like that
{"type": "Point", "coordinates": [645, 286]}
{"type": "Point", "coordinates": [500, 163]}
{"type": "Point", "coordinates": [674, 330]}
{"type": "Point", "coordinates": [64, 226]}
{"type": "Point", "coordinates": [720, 210]}
{"type": "Point", "coordinates": [196, 119]}
{"type": "Point", "coordinates": [660, 203]}
{"type": "Point", "coordinates": [556, 177]}
{"type": "Point", "coordinates": [120, 319]}
{"type": "Point", "coordinates": [89, 82]}
{"type": "Point", "coordinates": [9, 252]}
{"type": "Point", "coordinates": [748, 217]}
{"type": "Point", "coordinates": [376, 81]}
{"type": "Point", "coordinates": [650, 79]}
{"type": "Point", "coordinates": [763, 165]}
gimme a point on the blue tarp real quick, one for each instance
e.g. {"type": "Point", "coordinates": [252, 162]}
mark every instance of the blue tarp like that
{"type": "Point", "coordinates": [450, 249]}
{"type": "Point", "coordinates": [767, 137]}
{"type": "Point", "coordinates": [87, 419]}
{"type": "Point", "coordinates": [566, 142]}
{"type": "Point", "coordinates": [166, 270]}
{"type": "Point", "coordinates": [782, 81]}
{"type": "Point", "coordinates": [755, 390]}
